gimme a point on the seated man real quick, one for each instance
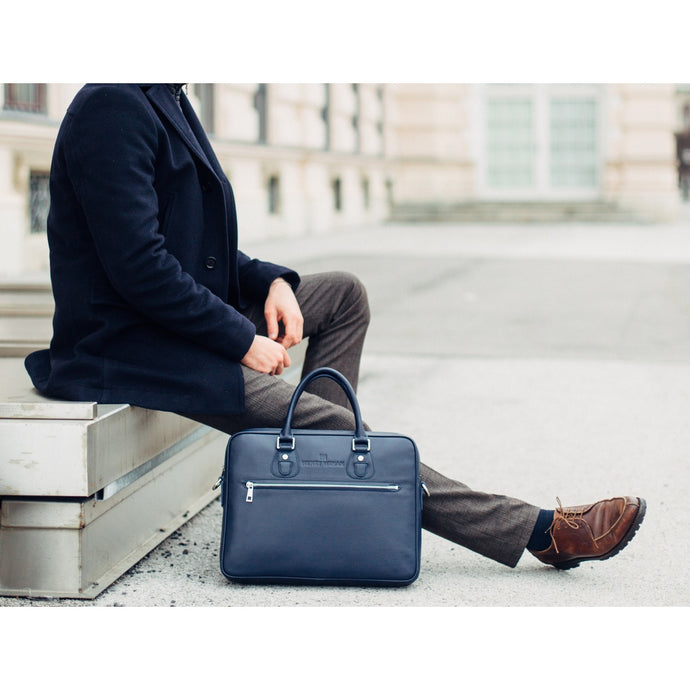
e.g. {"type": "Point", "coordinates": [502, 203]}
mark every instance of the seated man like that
{"type": "Point", "coordinates": [156, 306]}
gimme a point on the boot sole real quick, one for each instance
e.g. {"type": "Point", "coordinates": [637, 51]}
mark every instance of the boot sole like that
{"type": "Point", "coordinates": [568, 565]}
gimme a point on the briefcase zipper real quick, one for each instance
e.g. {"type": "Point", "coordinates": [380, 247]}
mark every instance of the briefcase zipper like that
{"type": "Point", "coordinates": [316, 485]}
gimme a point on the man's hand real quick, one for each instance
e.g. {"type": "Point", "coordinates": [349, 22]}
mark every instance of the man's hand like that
{"type": "Point", "coordinates": [266, 356]}
{"type": "Point", "coordinates": [281, 305]}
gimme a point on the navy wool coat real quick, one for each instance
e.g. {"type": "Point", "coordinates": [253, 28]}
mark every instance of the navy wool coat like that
{"type": "Point", "coordinates": [146, 274]}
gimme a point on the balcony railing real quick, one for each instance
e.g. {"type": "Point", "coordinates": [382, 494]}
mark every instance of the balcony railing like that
{"type": "Point", "coordinates": [25, 98]}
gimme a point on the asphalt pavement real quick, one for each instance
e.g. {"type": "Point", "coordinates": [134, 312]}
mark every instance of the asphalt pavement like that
{"type": "Point", "coordinates": [538, 361]}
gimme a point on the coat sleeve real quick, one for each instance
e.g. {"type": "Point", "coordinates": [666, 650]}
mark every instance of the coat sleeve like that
{"type": "Point", "coordinates": [110, 150]}
{"type": "Point", "coordinates": [256, 276]}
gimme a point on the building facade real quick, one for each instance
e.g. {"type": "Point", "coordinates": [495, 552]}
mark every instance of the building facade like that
{"type": "Point", "coordinates": [534, 143]}
{"type": "Point", "coordinates": [302, 158]}
{"type": "Point", "coordinates": [310, 158]}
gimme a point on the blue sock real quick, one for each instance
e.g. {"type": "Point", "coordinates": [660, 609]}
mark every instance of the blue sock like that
{"type": "Point", "coordinates": [541, 539]}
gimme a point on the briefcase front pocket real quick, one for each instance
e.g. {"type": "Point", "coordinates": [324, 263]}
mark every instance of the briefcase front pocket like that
{"type": "Point", "coordinates": [321, 532]}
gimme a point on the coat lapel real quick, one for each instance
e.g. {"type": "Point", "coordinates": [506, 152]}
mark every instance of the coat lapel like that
{"type": "Point", "coordinates": [165, 103]}
{"type": "Point", "coordinates": [200, 135]}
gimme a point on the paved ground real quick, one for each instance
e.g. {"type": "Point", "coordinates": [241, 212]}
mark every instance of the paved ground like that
{"type": "Point", "coordinates": [538, 361]}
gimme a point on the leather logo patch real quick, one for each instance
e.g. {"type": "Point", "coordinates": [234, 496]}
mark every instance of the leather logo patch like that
{"type": "Point", "coordinates": [323, 461]}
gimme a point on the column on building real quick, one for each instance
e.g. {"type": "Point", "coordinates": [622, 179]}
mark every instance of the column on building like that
{"type": "Point", "coordinates": [430, 143]}
{"type": "Point", "coordinates": [12, 215]}
{"type": "Point", "coordinates": [639, 158]}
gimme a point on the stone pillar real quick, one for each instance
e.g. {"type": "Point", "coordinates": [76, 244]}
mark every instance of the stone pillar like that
{"type": "Point", "coordinates": [236, 118]}
{"type": "Point", "coordinates": [13, 216]}
{"type": "Point", "coordinates": [639, 156]}
{"type": "Point", "coordinates": [428, 143]}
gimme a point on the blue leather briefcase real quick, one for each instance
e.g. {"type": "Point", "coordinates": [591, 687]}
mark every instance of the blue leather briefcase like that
{"type": "Point", "coordinates": [321, 507]}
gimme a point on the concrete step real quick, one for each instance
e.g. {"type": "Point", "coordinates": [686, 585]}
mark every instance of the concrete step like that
{"type": "Point", "coordinates": [87, 490]}
{"type": "Point", "coordinates": [515, 212]}
{"type": "Point", "coordinates": [26, 298]}
{"type": "Point", "coordinates": [26, 312]}
{"type": "Point", "coordinates": [20, 335]}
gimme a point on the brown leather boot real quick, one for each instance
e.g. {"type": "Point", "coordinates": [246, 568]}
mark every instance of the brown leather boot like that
{"type": "Point", "coordinates": [593, 532]}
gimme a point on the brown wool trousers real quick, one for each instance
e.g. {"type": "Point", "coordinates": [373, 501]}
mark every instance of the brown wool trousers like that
{"type": "Point", "coordinates": [336, 317]}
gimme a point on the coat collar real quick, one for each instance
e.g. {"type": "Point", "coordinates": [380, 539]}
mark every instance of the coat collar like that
{"type": "Point", "coordinates": [187, 125]}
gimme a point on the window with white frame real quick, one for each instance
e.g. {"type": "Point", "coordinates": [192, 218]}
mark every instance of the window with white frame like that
{"type": "Point", "coordinates": [540, 141]}
{"type": "Point", "coordinates": [337, 187]}
{"type": "Point", "coordinates": [510, 142]}
{"type": "Point", "coordinates": [274, 195]}
{"type": "Point", "coordinates": [573, 142]}
{"type": "Point", "coordinates": [39, 201]}
{"type": "Point", "coordinates": [25, 98]}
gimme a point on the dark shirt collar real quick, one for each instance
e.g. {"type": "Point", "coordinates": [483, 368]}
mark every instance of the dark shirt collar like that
{"type": "Point", "coordinates": [176, 90]}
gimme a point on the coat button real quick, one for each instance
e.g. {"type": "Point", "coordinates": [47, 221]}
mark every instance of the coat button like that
{"type": "Point", "coordinates": [210, 262]}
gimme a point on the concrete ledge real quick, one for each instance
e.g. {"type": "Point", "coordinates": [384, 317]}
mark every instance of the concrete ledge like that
{"type": "Point", "coordinates": [77, 548]}
{"type": "Point", "coordinates": [56, 448]}
{"type": "Point", "coordinates": [87, 490]}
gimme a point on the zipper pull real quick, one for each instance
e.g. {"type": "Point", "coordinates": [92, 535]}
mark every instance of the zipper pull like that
{"type": "Point", "coordinates": [250, 491]}
{"type": "Point", "coordinates": [219, 481]}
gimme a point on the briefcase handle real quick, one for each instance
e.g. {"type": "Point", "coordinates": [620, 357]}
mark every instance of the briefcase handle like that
{"type": "Point", "coordinates": [360, 442]}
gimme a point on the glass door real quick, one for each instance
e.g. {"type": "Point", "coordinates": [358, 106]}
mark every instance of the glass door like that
{"type": "Point", "coordinates": [510, 143]}
{"type": "Point", "coordinates": [573, 151]}
{"type": "Point", "coordinates": [539, 141]}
